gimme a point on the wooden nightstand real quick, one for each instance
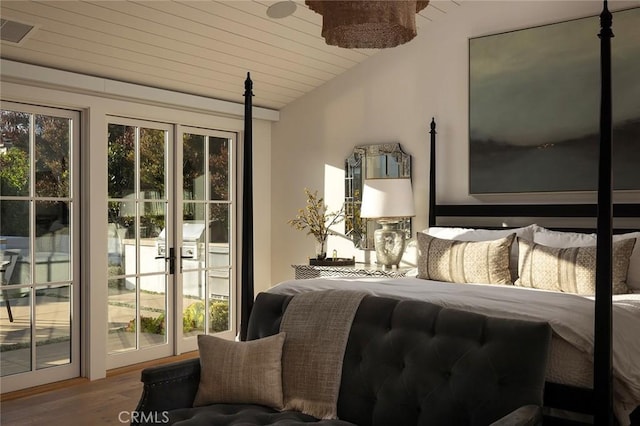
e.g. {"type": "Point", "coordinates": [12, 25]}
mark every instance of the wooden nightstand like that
{"type": "Point", "coordinates": [303, 272]}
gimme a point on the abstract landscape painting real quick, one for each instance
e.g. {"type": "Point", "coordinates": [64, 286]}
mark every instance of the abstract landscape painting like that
{"type": "Point", "coordinates": [534, 105]}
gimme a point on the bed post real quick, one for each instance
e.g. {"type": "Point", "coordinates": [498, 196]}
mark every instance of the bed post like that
{"type": "Point", "coordinates": [432, 175]}
{"type": "Point", "coordinates": [246, 290]}
{"type": "Point", "coordinates": [602, 374]}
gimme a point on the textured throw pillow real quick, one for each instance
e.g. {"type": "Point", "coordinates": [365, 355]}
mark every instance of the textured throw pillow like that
{"type": "Point", "coordinates": [481, 234]}
{"type": "Point", "coordinates": [633, 278]}
{"type": "Point", "coordinates": [572, 269]}
{"type": "Point", "coordinates": [560, 239]}
{"type": "Point", "coordinates": [481, 262]}
{"type": "Point", "coordinates": [240, 372]}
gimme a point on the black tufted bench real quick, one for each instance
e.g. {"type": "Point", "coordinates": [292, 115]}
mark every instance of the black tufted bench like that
{"type": "Point", "coordinates": [406, 363]}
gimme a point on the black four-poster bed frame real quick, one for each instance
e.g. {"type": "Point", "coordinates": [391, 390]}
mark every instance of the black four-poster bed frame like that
{"type": "Point", "coordinates": [599, 401]}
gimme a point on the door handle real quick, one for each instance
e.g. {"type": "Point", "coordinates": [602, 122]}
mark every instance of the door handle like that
{"type": "Point", "coordinates": [171, 259]}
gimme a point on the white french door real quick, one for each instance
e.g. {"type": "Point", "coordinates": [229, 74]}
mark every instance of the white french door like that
{"type": "Point", "coordinates": [39, 245]}
{"type": "Point", "coordinates": [170, 238]}
{"type": "Point", "coordinates": [140, 228]}
{"type": "Point", "coordinates": [207, 249]}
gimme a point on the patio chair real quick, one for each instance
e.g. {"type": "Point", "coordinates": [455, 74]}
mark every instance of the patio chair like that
{"type": "Point", "coordinates": [7, 272]}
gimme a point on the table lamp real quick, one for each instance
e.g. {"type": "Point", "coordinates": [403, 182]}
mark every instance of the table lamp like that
{"type": "Point", "coordinates": [388, 201]}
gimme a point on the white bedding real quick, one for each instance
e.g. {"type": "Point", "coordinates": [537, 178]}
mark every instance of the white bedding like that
{"type": "Point", "coordinates": [570, 316]}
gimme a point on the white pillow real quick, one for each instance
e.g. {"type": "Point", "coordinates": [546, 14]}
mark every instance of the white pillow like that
{"type": "Point", "coordinates": [560, 239]}
{"type": "Point", "coordinates": [471, 234]}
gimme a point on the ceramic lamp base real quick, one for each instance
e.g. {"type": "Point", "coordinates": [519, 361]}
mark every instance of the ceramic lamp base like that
{"type": "Point", "coordinates": [389, 244]}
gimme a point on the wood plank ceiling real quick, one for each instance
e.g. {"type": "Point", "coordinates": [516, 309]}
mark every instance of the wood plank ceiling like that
{"type": "Point", "coordinates": [197, 47]}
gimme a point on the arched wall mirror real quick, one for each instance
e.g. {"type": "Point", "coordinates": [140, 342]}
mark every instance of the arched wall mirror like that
{"type": "Point", "coordinates": [386, 160]}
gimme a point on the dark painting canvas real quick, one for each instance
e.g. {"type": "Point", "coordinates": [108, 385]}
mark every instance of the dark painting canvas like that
{"type": "Point", "coordinates": [534, 105]}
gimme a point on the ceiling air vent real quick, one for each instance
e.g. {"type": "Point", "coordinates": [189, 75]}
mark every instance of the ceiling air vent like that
{"type": "Point", "coordinates": [13, 32]}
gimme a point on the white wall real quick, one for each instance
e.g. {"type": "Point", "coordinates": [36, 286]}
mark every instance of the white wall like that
{"type": "Point", "coordinates": [391, 97]}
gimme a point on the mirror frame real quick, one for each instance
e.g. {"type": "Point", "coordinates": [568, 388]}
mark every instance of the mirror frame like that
{"type": "Point", "coordinates": [392, 162]}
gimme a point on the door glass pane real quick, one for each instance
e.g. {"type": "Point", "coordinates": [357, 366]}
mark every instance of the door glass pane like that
{"type": "Point", "coordinates": [153, 311]}
{"type": "Point", "coordinates": [194, 285]}
{"type": "Point", "coordinates": [53, 326]}
{"type": "Point", "coordinates": [14, 154]}
{"type": "Point", "coordinates": [121, 238]}
{"type": "Point", "coordinates": [130, 262]}
{"type": "Point", "coordinates": [14, 242]}
{"type": "Point", "coordinates": [193, 235]}
{"type": "Point", "coordinates": [219, 283]}
{"type": "Point", "coordinates": [152, 219]}
{"type": "Point", "coordinates": [193, 169]}
{"type": "Point", "coordinates": [218, 314]}
{"type": "Point", "coordinates": [193, 319]}
{"type": "Point", "coordinates": [52, 156]}
{"type": "Point", "coordinates": [193, 263]}
{"type": "Point", "coordinates": [121, 230]}
{"type": "Point", "coordinates": [121, 160]}
{"type": "Point", "coordinates": [152, 238]}
{"type": "Point", "coordinates": [122, 305]}
{"type": "Point", "coordinates": [15, 336]}
{"type": "Point", "coordinates": [219, 168]}
{"type": "Point", "coordinates": [219, 235]}
{"type": "Point", "coordinates": [53, 243]}
{"type": "Point", "coordinates": [152, 163]}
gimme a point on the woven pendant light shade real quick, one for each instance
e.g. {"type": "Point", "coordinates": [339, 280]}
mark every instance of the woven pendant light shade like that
{"type": "Point", "coordinates": [367, 24]}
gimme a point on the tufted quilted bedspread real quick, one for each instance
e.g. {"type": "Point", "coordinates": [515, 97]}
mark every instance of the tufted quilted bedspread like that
{"type": "Point", "coordinates": [570, 316]}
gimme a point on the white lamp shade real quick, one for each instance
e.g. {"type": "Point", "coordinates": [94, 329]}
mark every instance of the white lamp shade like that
{"type": "Point", "coordinates": [387, 198]}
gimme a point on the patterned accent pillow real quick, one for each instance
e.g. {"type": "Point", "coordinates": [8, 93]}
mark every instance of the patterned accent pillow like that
{"type": "Point", "coordinates": [572, 269]}
{"type": "Point", "coordinates": [551, 238]}
{"type": "Point", "coordinates": [480, 262]}
{"type": "Point", "coordinates": [480, 234]}
{"type": "Point", "coordinates": [240, 372]}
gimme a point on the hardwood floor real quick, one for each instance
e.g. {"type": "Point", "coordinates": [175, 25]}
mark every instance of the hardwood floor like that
{"type": "Point", "coordinates": [79, 401]}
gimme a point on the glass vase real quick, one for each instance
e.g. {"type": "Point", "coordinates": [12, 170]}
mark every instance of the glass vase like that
{"type": "Point", "coordinates": [321, 249]}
